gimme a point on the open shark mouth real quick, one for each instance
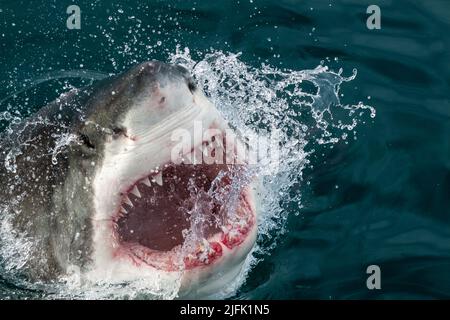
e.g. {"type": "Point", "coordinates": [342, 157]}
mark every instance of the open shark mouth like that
{"type": "Point", "coordinates": [174, 192]}
{"type": "Point", "coordinates": [183, 216]}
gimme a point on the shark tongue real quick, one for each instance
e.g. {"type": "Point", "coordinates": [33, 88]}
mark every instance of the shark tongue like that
{"type": "Point", "coordinates": [158, 209]}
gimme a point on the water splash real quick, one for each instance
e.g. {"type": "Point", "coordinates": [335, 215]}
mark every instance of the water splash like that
{"type": "Point", "coordinates": [15, 247]}
{"type": "Point", "coordinates": [62, 140]}
{"type": "Point", "coordinates": [303, 107]}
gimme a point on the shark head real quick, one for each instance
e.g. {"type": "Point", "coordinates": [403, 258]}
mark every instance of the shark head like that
{"type": "Point", "coordinates": [171, 195]}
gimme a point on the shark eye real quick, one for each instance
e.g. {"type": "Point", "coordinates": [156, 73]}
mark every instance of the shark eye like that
{"type": "Point", "coordinates": [118, 131]}
{"type": "Point", "coordinates": [86, 141]}
{"type": "Point", "coordinates": [192, 86]}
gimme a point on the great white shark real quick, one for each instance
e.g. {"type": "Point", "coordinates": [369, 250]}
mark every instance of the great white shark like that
{"type": "Point", "coordinates": [92, 182]}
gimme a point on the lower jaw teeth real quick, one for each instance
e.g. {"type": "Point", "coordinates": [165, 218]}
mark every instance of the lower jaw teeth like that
{"type": "Point", "coordinates": [204, 252]}
{"type": "Point", "coordinates": [233, 234]}
{"type": "Point", "coordinates": [202, 248]}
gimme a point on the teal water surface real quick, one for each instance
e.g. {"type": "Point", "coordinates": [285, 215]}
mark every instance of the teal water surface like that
{"type": "Point", "coordinates": [383, 199]}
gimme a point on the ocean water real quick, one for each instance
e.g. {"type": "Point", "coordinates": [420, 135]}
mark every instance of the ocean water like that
{"type": "Point", "coordinates": [364, 177]}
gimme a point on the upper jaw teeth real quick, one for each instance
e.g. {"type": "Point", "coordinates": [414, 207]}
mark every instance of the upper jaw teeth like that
{"type": "Point", "coordinates": [136, 192]}
{"type": "Point", "coordinates": [158, 178]}
{"type": "Point", "coordinates": [128, 201]}
{"type": "Point", "coordinates": [146, 181]}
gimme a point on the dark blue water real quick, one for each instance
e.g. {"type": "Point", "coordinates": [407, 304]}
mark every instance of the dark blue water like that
{"type": "Point", "coordinates": [383, 199]}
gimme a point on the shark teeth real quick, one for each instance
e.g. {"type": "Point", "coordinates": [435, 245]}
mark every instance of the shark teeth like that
{"type": "Point", "coordinates": [158, 178]}
{"type": "Point", "coordinates": [136, 192]}
{"type": "Point", "coordinates": [128, 201]}
{"type": "Point", "coordinates": [205, 243]}
{"type": "Point", "coordinates": [146, 181]}
{"type": "Point", "coordinates": [122, 212]}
